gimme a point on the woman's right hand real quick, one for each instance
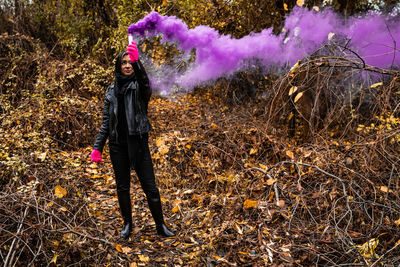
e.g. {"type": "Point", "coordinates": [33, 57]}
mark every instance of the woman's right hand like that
{"type": "Point", "coordinates": [132, 51]}
{"type": "Point", "coordinates": [96, 156]}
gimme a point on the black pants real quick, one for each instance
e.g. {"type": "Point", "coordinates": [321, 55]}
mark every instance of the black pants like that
{"type": "Point", "coordinates": [142, 164]}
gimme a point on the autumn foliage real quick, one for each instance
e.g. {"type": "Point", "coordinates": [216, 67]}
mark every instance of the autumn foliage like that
{"type": "Point", "coordinates": [253, 170]}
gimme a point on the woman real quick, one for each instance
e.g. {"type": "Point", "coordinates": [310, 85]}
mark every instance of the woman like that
{"type": "Point", "coordinates": [126, 125]}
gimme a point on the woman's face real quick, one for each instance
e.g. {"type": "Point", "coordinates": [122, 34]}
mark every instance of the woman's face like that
{"type": "Point", "coordinates": [126, 66]}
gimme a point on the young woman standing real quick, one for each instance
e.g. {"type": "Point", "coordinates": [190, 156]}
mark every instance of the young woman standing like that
{"type": "Point", "coordinates": [126, 124]}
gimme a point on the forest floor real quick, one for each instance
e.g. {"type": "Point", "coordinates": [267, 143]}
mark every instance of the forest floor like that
{"type": "Point", "coordinates": [236, 191]}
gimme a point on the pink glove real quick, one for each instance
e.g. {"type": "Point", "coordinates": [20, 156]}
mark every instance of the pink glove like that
{"type": "Point", "coordinates": [132, 52]}
{"type": "Point", "coordinates": [96, 156]}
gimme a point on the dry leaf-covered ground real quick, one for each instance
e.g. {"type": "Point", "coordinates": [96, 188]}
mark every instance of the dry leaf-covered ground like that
{"type": "Point", "coordinates": [237, 191]}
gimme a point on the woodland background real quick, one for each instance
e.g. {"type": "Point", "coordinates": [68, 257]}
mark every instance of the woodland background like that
{"type": "Point", "coordinates": [249, 174]}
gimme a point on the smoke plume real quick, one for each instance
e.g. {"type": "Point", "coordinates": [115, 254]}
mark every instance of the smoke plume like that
{"type": "Point", "coordinates": [373, 37]}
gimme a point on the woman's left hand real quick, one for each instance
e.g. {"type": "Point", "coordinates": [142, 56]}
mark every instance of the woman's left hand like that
{"type": "Point", "coordinates": [95, 156]}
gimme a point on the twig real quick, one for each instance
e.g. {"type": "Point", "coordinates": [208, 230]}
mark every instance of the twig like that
{"type": "Point", "coordinates": [387, 252]}
{"type": "Point", "coordinates": [11, 249]}
{"type": "Point", "coordinates": [394, 48]}
{"type": "Point", "coordinates": [72, 230]}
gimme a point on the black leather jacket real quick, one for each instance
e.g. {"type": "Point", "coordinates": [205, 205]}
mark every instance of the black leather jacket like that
{"type": "Point", "coordinates": [136, 101]}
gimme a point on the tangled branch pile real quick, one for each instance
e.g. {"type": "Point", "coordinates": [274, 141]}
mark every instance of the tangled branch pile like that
{"type": "Point", "coordinates": [332, 88]}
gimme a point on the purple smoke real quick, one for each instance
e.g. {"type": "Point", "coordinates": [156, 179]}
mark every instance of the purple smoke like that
{"type": "Point", "coordinates": [372, 37]}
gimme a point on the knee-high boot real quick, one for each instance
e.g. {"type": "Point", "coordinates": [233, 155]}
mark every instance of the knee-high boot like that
{"type": "Point", "coordinates": [156, 211]}
{"type": "Point", "coordinates": [124, 200]}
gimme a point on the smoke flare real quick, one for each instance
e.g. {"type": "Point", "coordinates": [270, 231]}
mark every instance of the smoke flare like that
{"type": "Point", "coordinates": [372, 36]}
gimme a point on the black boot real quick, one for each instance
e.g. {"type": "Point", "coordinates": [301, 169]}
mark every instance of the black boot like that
{"type": "Point", "coordinates": [156, 211]}
{"type": "Point", "coordinates": [124, 200]}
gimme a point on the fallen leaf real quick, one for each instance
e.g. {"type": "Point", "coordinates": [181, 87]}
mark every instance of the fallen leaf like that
{"type": "Point", "coordinates": [160, 142]}
{"type": "Point", "coordinates": [376, 85]}
{"type": "Point", "coordinates": [118, 247]}
{"type": "Point", "coordinates": [285, 7]}
{"type": "Point", "coordinates": [54, 259]}
{"type": "Point", "coordinates": [126, 249]}
{"type": "Point", "coordinates": [367, 249]}
{"type": "Point", "coordinates": [289, 154]}
{"type": "Point", "coordinates": [175, 205]}
{"type": "Point", "coordinates": [144, 258]}
{"type": "Point", "coordinates": [253, 151]}
{"type": "Point", "coordinates": [250, 204]}
{"type": "Point", "coordinates": [292, 90]}
{"type": "Point", "coordinates": [271, 181]}
{"type": "Point", "coordinates": [60, 192]}
{"type": "Point", "coordinates": [298, 96]}
{"type": "Point", "coordinates": [385, 189]}
{"type": "Point", "coordinates": [42, 156]}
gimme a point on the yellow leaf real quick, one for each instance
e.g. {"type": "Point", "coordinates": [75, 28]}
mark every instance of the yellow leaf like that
{"type": "Point", "coordinates": [290, 154]}
{"type": "Point", "coordinates": [250, 204]}
{"type": "Point", "coordinates": [263, 166]}
{"type": "Point", "coordinates": [60, 192]}
{"type": "Point", "coordinates": [144, 258]}
{"type": "Point", "coordinates": [285, 7]}
{"type": "Point", "coordinates": [188, 146]}
{"type": "Point", "coordinates": [54, 259]}
{"type": "Point", "coordinates": [385, 189]}
{"type": "Point", "coordinates": [175, 205]}
{"type": "Point", "coordinates": [397, 222]}
{"type": "Point", "coordinates": [126, 249]}
{"type": "Point", "coordinates": [295, 66]}
{"type": "Point", "coordinates": [271, 181]}
{"type": "Point", "coordinates": [63, 209]}
{"type": "Point", "coordinates": [253, 151]}
{"type": "Point", "coordinates": [376, 85]}
{"type": "Point", "coordinates": [118, 247]}
{"type": "Point", "coordinates": [175, 209]}
{"type": "Point", "coordinates": [164, 150]}
{"type": "Point", "coordinates": [213, 125]}
{"type": "Point", "coordinates": [316, 8]}
{"type": "Point", "coordinates": [367, 249]}
{"type": "Point", "coordinates": [292, 90]}
{"type": "Point", "coordinates": [330, 35]}
{"type": "Point", "coordinates": [238, 229]}
{"type": "Point", "coordinates": [216, 257]}
{"type": "Point", "coordinates": [160, 142]}
{"type": "Point", "coordinates": [164, 2]}
{"type": "Point", "coordinates": [298, 96]}
{"type": "Point", "coordinates": [51, 203]}
{"type": "Point", "coordinates": [42, 156]}
{"type": "Point", "coordinates": [300, 2]}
